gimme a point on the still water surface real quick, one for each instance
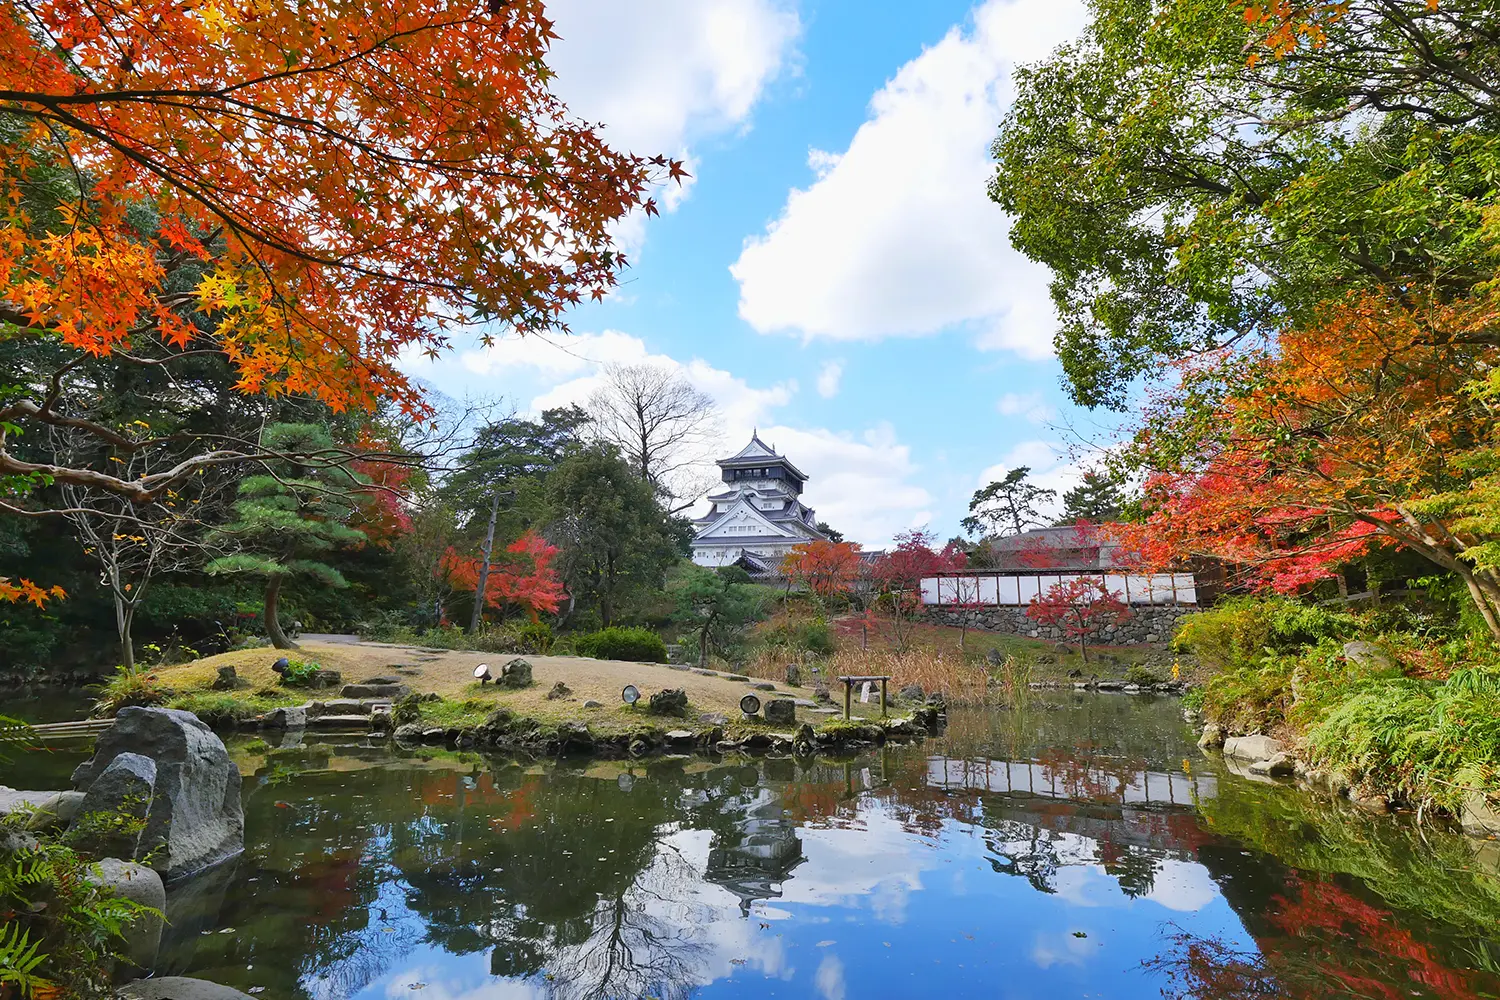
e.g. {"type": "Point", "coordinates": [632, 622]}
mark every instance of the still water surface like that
{"type": "Point", "coordinates": [1082, 847]}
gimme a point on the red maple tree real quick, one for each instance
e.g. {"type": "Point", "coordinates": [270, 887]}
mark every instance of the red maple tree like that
{"type": "Point", "coordinates": [1082, 607]}
{"type": "Point", "coordinates": [523, 577]}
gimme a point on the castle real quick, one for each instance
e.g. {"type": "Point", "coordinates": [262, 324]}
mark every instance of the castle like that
{"type": "Point", "coordinates": [759, 517]}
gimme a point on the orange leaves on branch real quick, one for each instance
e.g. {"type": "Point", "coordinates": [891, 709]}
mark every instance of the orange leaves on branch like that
{"type": "Point", "coordinates": [350, 180]}
{"type": "Point", "coordinates": [25, 590]}
{"type": "Point", "coordinates": [827, 569]}
{"type": "Point", "coordinates": [1288, 25]}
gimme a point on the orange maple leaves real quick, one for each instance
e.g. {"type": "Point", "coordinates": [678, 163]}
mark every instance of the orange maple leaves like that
{"type": "Point", "coordinates": [523, 577]}
{"type": "Point", "coordinates": [828, 569]}
{"type": "Point", "coordinates": [316, 187]}
{"type": "Point", "coordinates": [25, 590]}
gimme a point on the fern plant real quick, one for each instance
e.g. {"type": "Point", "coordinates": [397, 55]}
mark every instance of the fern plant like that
{"type": "Point", "coordinates": [14, 735]}
{"type": "Point", "coordinates": [19, 959]}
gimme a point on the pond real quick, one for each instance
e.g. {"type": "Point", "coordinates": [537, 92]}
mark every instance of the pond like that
{"type": "Point", "coordinates": [1081, 847]}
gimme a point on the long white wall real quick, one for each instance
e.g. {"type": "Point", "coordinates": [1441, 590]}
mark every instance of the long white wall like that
{"type": "Point", "coordinates": [1160, 588]}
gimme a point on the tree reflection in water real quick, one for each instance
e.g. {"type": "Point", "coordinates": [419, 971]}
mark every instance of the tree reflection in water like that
{"type": "Point", "coordinates": [603, 880]}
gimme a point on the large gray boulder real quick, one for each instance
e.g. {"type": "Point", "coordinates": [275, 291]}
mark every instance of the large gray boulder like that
{"type": "Point", "coordinates": [1256, 747]}
{"type": "Point", "coordinates": [113, 815]}
{"type": "Point", "coordinates": [781, 712]}
{"type": "Point", "coordinates": [1479, 816]}
{"type": "Point", "coordinates": [140, 884]}
{"type": "Point", "coordinates": [178, 988]}
{"type": "Point", "coordinates": [195, 819]}
{"type": "Point", "coordinates": [1368, 655]}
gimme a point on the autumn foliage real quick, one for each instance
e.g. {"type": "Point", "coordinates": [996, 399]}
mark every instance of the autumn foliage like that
{"type": "Point", "coordinates": [1082, 607]}
{"type": "Point", "coordinates": [523, 577]}
{"type": "Point", "coordinates": [827, 569]}
{"type": "Point", "coordinates": [309, 190]}
{"type": "Point", "coordinates": [1367, 429]}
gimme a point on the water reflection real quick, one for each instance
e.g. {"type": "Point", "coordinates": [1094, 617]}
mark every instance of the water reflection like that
{"type": "Point", "coordinates": [1079, 848]}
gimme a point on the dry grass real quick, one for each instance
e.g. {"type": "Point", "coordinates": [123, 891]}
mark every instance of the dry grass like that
{"type": "Point", "coordinates": [451, 674]}
{"type": "Point", "coordinates": [961, 681]}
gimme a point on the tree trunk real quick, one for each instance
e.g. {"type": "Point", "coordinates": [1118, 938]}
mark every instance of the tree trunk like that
{"type": "Point", "coordinates": [273, 627]}
{"type": "Point", "coordinates": [123, 617]}
{"type": "Point", "coordinates": [703, 645]}
{"type": "Point", "coordinates": [484, 566]}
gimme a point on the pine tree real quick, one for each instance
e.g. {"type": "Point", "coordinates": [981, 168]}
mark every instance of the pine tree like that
{"type": "Point", "coordinates": [288, 518]}
{"type": "Point", "coordinates": [1097, 499]}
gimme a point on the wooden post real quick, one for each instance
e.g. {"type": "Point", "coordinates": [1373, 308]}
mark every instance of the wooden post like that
{"type": "Point", "coordinates": [848, 694]}
{"type": "Point", "coordinates": [882, 697]}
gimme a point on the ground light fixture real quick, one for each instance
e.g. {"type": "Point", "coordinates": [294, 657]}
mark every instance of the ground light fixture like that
{"type": "Point", "coordinates": [631, 694]}
{"type": "Point", "coordinates": [482, 674]}
{"type": "Point", "coordinates": [750, 704]}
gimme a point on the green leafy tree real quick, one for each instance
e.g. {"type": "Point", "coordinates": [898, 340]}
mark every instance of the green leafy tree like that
{"type": "Point", "coordinates": [1008, 505]}
{"type": "Point", "coordinates": [289, 519]}
{"type": "Point", "coordinates": [715, 604]}
{"type": "Point", "coordinates": [1097, 499]}
{"type": "Point", "coordinates": [830, 532]}
{"type": "Point", "coordinates": [1201, 174]}
{"type": "Point", "coordinates": [613, 533]}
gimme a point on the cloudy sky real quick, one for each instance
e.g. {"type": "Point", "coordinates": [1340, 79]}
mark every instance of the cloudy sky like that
{"type": "Point", "coordinates": [834, 273]}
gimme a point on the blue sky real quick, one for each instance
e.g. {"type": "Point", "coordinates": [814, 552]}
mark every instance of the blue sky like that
{"type": "Point", "coordinates": [834, 273]}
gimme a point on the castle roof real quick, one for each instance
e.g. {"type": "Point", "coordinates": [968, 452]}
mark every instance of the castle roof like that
{"type": "Point", "coordinates": [757, 452]}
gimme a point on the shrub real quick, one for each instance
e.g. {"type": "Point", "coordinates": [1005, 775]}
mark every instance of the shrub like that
{"type": "Point", "coordinates": [812, 636]}
{"type": "Point", "coordinates": [1141, 675]}
{"type": "Point", "coordinates": [1241, 630]}
{"type": "Point", "coordinates": [125, 689]}
{"type": "Point", "coordinates": [532, 637]}
{"type": "Point", "coordinates": [299, 673]}
{"type": "Point", "coordinates": [638, 644]}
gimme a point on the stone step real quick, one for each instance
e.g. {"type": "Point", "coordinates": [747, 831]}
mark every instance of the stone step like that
{"type": "Point", "coordinates": [340, 722]}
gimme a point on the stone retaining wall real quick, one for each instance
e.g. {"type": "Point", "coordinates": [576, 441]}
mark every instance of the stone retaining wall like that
{"type": "Point", "coordinates": [1145, 624]}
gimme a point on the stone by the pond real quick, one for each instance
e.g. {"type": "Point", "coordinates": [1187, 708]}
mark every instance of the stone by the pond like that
{"type": "Point", "coordinates": [139, 884]}
{"type": "Point", "coordinates": [1212, 737]}
{"type": "Point", "coordinates": [326, 679]}
{"type": "Point", "coordinates": [1255, 747]}
{"type": "Point", "coordinates": [381, 680]}
{"type": "Point", "coordinates": [714, 719]}
{"type": "Point", "coordinates": [112, 816]}
{"type": "Point", "coordinates": [48, 808]}
{"type": "Point", "coordinates": [195, 814]}
{"type": "Point", "coordinates": [227, 680]}
{"type": "Point", "coordinates": [591, 703]}
{"type": "Point", "coordinates": [410, 732]}
{"type": "Point", "coordinates": [764, 686]}
{"type": "Point", "coordinates": [1479, 816]}
{"type": "Point", "coordinates": [679, 735]}
{"type": "Point", "coordinates": [345, 706]}
{"type": "Point", "coordinates": [178, 988]}
{"type": "Point", "coordinates": [672, 701]}
{"type": "Point", "coordinates": [369, 689]}
{"type": "Point", "coordinates": [559, 690]}
{"type": "Point", "coordinates": [1375, 802]}
{"type": "Point", "coordinates": [517, 674]}
{"type": "Point", "coordinates": [1368, 655]}
{"type": "Point", "coordinates": [793, 675]}
{"type": "Point", "coordinates": [286, 718]}
{"type": "Point", "coordinates": [1279, 765]}
{"type": "Point", "coordinates": [781, 712]}
{"type": "Point", "coordinates": [912, 692]}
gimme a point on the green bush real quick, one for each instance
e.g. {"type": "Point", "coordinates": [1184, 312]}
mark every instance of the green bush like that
{"type": "Point", "coordinates": [125, 689]}
{"type": "Point", "coordinates": [1141, 675]}
{"type": "Point", "coordinates": [638, 644]}
{"type": "Point", "coordinates": [1241, 630]}
{"type": "Point", "coordinates": [812, 636]}
{"type": "Point", "coordinates": [1423, 738]}
{"type": "Point", "coordinates": [299, 673]}
{"type": "Point", "coordinates": [532, 637]}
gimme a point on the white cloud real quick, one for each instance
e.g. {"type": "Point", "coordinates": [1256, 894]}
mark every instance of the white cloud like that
{"type": "Point", "coordinates": [863, 484]}
{"type": "Point", "coordinates": [1027, 405]}
{"type": "Point", "coordinates": [660, 75]}
{"type": "Point", "coordinates": [896, 235]}
{"type": "Point", "coordinates": [829, 377]}
{"type": "Point", "coordinates": [830, 978]}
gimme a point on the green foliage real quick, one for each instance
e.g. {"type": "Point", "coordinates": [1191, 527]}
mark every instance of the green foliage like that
{"type": "Point", "coordinates": [56, 911]}
{"type": "Point", "coordinates": [527, 637]}
{"type": "Point", "coordinates": [1142, 675]}
{"type": "Point", "coordinates": [14, 735]}
{"type": "Point", "coordinates": [125, 689]}
{"type": "Point", "coordinates": [1177, 216]}
{"type": "Point", "coordinates": [300, 673]}
{"type": "Point", "coordinates": [1425, 739]}
{"type": "Point", "coordinates": [1241, 630]}
{"type": "Point", "coordinates": [810, 636]}
{"type": "Point", "coordinates": [533, 637]}
{"type": "Point", "coordinates": [716, 605]}
{"type": "Point", "coordinates": [19, 960]}
{"type": "Point", "coordinates": [406, 709]}
{"type": "Point", "coordinates": [221, 708]}
{"type": "Point", "coordinates": [636, 644]}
